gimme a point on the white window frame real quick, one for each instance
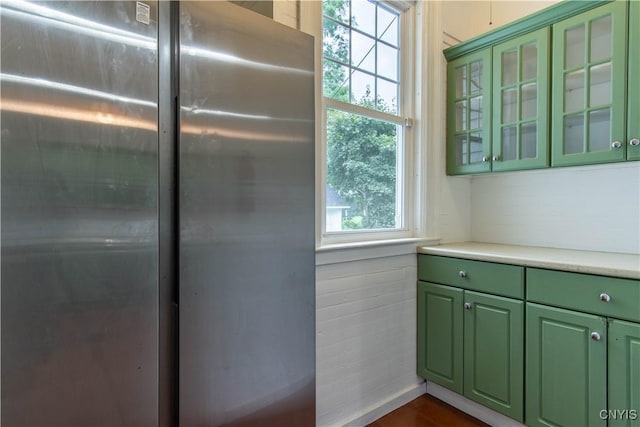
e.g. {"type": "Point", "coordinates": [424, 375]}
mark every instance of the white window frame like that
{"type": "Point", "coordinates": [404, 155]}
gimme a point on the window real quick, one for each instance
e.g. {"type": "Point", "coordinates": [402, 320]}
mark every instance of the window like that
{"type": "Point", "coordinates": [364, 103]}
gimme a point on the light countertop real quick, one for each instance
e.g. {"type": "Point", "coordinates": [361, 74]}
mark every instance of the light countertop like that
{"type": "Point", "coordinates": [602, 263]}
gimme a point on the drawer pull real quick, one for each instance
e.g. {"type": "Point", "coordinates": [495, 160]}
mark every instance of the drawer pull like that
{"type": "Point", "coordinates": [595, 336]}
{"type": "Point", "coordinates": [467, 306]}
{"type": "Point", "coordinates": [604, 297]}
{"type": "Point", "coordinates": [462, 274]}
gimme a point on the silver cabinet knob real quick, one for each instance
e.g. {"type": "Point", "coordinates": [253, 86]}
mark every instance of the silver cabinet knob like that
{"type": "Point", "coordinates": [496, 158]}
{"type": "Point", "coordinates": [605, 297]}
{"type": "Point", "coordinates": [634, 142]}
{"type": "Point", "coordinates": [467, 306]}
{"type": "Point", "coordinates": [462, 274]}
{"type": "Point", "coordinates": [595, 336]}
{"type": "Point", "coordinates": [485, 158]}
{"type": "Point", "coordinates": [616, 144]}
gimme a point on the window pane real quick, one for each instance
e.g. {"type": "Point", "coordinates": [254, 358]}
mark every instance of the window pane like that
{"type": "Point", "coordinates": [387, 99]}
{"type": "Point", "coordinates": [362, 88]}
{"type": "Point", "coordinates": [337, 11]}
{"type": "Point", "coordinates": [335, 82]}
{"type": "Point", "coordinates": [362, 169]}
{"type": "Point", "coordinates": [335, 39]}
{"type": "Point", "coordinates": [387, 26]}
{"type": "Point", "coordinates": [363, 16]}
{"type": "Point", "coordinates": [387, 61]}
{"type": "Point", "coordinates": [363, 53]}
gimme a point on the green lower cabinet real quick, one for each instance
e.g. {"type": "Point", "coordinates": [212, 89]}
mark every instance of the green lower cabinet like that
{"type": "Point", "coordinates": [440, 335]}
{"type": "Point", "coordinates": [624, 374]}
{"type": "Point", "coordinates": [493, 347]}
{"type": "Point", "coordinates": [566, 366]}
{"type": "Point", "coordinates": [472, 344]}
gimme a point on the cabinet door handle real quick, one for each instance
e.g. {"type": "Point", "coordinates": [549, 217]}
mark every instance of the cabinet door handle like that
{"type": "Point", "coordinates": [634, 142]}
{"type": "Point", "coordinates": [462, 274]}
{"type": "Point", "coordinates": [496, 158]}
{"type": "Point", "coordinates": [467, 306]}
{"type": "Point", "coordinates": [485, 158]}
{"type": "Point", "coordinates": [595, 336]}
{"type": "Point", "coordinates": [605, 297]}
{"type": "Point", "coordinates": [616, 144]}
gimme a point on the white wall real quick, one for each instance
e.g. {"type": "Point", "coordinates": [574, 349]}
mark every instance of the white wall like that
{"type": "Point", "coordinates": [587, 207]}
{"type": "Point", "coordinates": [366, 339]}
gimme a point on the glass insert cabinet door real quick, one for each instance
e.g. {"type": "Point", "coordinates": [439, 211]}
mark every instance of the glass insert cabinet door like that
{"type": "Point", "coordinates": [589, 75]}
{"type": "Point", "coordinates": [633, 132]}
{"type": "Point", "coordinates": [520, 108]}
{"type": "Point", "coordinates": [469, 113]}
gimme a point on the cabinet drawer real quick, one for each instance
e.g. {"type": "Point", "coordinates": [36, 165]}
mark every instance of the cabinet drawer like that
{"type": "Point", "coordinates": [499, 279]}
{"type": "Point", "coordinates": [585, 292]}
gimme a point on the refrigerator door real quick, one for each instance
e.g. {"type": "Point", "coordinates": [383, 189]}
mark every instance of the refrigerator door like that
{"type": "Point", "coordinates": [247, 260]}
{"type": "Point", "coordinates": [79, 214]}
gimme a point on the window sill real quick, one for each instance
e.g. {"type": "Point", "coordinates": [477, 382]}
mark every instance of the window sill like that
{"type": "Point", "coordinates": [358, 251]}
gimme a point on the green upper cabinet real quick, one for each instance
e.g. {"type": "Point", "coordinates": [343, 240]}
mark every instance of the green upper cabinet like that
{"type": "Point", "coordinates": [520, 102]}
{"type": "Point", "coordinates": [468, 114]}
{"type": "Point", "coordinates": [589, 79]}
{"type": "Point", "coordinates": [633, 132]}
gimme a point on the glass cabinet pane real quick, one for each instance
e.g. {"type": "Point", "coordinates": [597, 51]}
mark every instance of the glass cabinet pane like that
{"type": "Point", "coordinates": [529, 101]}
{"type": "Point", "coordinates": [574, 134]}
{"type": "Point", "coordinates": [528, 139]}
{"type": "Point", "coordinates": [600, 85]}
{"type": "Point", "coordinates": [600, 40]}
{"type": "Point", "coordinates": [461, 115]}
{"type": "Point", "coordinates": [529, 62]}
{"type": "Point", "coordinates": [509, 105]}
{"type": "Point", "coordinates": [600, 130]}
{"type": "Point", "coordinates": [509, 67]}
{"type": "Point", "coordinates": [461, 81]}
{"type": "Point", "coordinates": [461, 149]}
{"type": "Point", "coordinates": [475, 113]}
{"type": "Point", "coordinates": [476, 77]}
{"type": "Point", "coordinates": [475, 145]}
{"type": "Point", "coordinates": [509, 143]}
{"type": "Point", "coordinates": [574, 46]}
{"type": "Point", "coordinates": [574, 91]}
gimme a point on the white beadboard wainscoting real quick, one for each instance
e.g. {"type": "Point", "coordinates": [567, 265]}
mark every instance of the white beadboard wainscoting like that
{"type": "Point", "coordinates": [366, 339]}
{"type": "Point", "coordinates": [593, 208]}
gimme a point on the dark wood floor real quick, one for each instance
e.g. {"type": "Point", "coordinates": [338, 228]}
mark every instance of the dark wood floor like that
{"type": "Point", "coordinates": [427, 411]}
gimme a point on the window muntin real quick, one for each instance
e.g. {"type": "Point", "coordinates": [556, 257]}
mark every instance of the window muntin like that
{"type": "Point", "coordinates": [365, 135]}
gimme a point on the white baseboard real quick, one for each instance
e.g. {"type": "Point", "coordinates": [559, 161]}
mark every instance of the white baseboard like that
{"type": "Point", "coordinates": [374, 412]}
{"type": "Point", "coordinates": [470, 407]}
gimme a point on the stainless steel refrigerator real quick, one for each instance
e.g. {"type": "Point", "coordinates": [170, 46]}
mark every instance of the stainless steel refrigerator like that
{"type": "Point", "coordinates": [157, 216]}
